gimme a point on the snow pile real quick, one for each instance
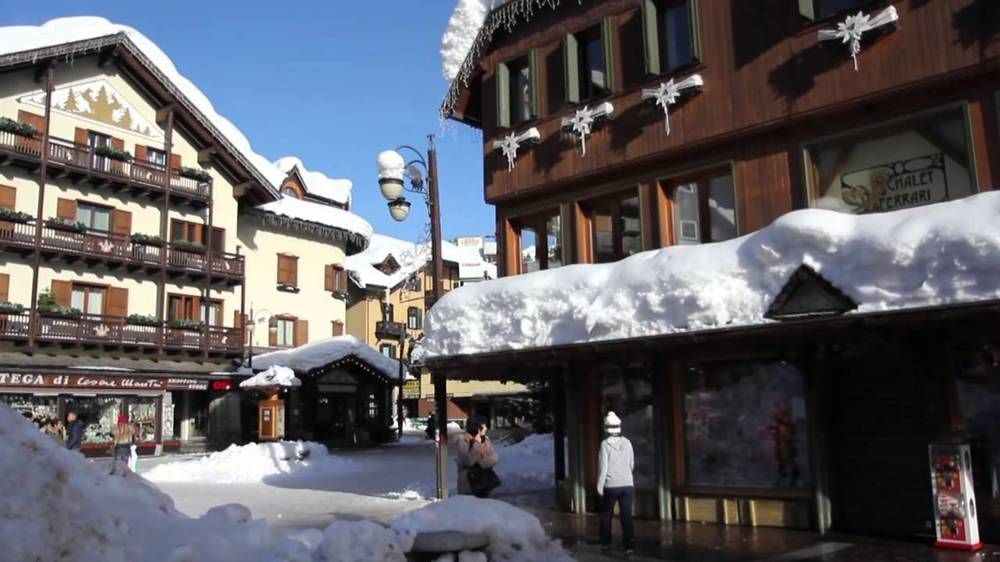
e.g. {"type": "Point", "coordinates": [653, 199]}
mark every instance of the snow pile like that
{"type": "Point", "coordinates": [320, 353]}
{"type": "Point", "coordinates": [318, 213]}
{"type": "Point", "coordinates": [275, 375]}
{"type": "Point", "coordinates": [411, 258]}
{"type": "Point", "coordinates": [527, 466]}
{"type": "Point", "coordinates": [515, 536]}
{"type": "Point", "coordinates": [58, 506]}
{"type": "Point", "coordinates": [317, 183]}
{"type": "Point", "coordinates": [281, 462]}
{"type": "Point", "coordinates": [363, 541]}
{"type": "Point", "coordinates": [933, 255]}
{"type": "Point", "coordinates": [463, 27]}
{"type": "Point", "coordinates": [16, 39]}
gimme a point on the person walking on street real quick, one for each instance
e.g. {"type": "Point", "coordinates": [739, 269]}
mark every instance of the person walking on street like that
{"type": "Point", "coordinates": [615, 464]}
{"type": "Point", "coordinates": [74, 431]}
{"type": "Point", "coordinates": [431, 430]}
{"type": "Point", "coordinates": [476, 459]}
{"type": "Point", "coordinates": [122, 439]}
{"type": "Point", "coordinates": [54, 429]}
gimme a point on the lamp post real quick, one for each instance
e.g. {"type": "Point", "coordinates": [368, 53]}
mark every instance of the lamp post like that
{"type": "Point", "coordinates": [393, 170]}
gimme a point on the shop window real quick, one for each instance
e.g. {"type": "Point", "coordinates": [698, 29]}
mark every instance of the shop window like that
{"type": "Point", "coordinates": [900, 164]}
{"type": "Point", "coordinates": [588, 63]}
{"type": "Point", "coordinates": [745, 426]}
{"type": "Point", "coordinates": [616, 228]}
{"type": "Point", "coordinates": [529, 250]}
{"type": "Point", "coordinates": [99, 415]}
{"type": "Point", "coordinates": [388, 350]}
{"type": "Point", "coordinates": [97, 218]}
{"type": "Point", "coordinates": [553, 241]}
{"type": "Point", "coordinates": [33, 406]}
{"type": "Point", "coordinates": [538, 251]}
{"type": "Point", "coordinates": [414, 318]}
{"type": "Point", "coordinates": [670, 29]}
{"type": "Point", "coordinates": [978, 384]}
{"type": "Point", "coordinates": [88, 299]}
{"type": "Point", "coordinates": [629, 393]}
{"type": "Point", "coordinates": [517, 90]}
{"type": "Point", "coordinates": [819, 9]}
{"type": "Point", "coordinates": [142, 415]}
{"type": "Point", "coordinates": [703, 208]}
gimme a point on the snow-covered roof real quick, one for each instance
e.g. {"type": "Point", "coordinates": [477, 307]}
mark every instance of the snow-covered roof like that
{"type": "Point", "coordinates": [275, 375]}
{"type": "Point", "coordinates": [320, 353]}
{"type": "Point", "coordinates": [17, 42]}
{"type": "Point", "coordinates": [927, 256]}
{"type": "Point", "coordinates": [411, 258]}
{"type": "Point", "coordinates": [317, 183]}
{"type": "Point", "coordinates": [317, 213]}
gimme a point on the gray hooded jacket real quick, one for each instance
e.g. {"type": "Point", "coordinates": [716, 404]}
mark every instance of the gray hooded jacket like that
{"type": "Point", "coordinates": [615, 463]}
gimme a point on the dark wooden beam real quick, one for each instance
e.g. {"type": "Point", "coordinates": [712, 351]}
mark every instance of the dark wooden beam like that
{"type": "Point", "coordinates": [42, 69]}
{"type": "Point", "coordinates": [242, 188]}
{"type": "Point", "coordinates": [107, 57]}
{"type": "Point", "coordinates": [206, 154]}
{"type": "Point", "coordinates": [163, 112]}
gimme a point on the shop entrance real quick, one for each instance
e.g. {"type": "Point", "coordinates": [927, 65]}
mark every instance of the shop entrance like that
{"type": "Point", "coordinates": [334, 416]}
{"type": "Point", "coordinates": [191, 415]}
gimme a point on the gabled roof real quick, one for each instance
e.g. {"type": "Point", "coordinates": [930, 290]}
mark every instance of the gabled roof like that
{"type": "Point", "coordinates": [410, 257]}
{"type": "Point", "coordinates": [325, 354]}
{"type": "Point", "coordinates": [63, 39]}
{"type": "Point", "coordinates": [317, 184]}
{"type": "Point", "coordinates": [807, 293]}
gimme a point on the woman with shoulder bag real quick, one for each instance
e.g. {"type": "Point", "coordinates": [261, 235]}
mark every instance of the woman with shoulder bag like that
{"type": "Point", "coordinates": [122, 439]}
{"type": "Point", "coordinates": [476, 459]}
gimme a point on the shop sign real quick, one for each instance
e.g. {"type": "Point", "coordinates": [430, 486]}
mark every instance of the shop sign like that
{"type": "Point", "coordinates": [896, 185]}
{"type": "Point", "coordinates": [411, 389]}
{"type": "Point", "coordinates": [186, 384]}
{"type": "Point", "coordinates": [96, 382]}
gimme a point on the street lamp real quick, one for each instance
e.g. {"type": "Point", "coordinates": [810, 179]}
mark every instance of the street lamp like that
{"type": "Point", "coordinates": [393, 171]}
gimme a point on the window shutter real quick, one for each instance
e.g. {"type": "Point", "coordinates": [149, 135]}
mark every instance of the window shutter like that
{"type": "Point", "coordinates": [536, 82]}
{"type": "Point", "coordinates": [8, 197]}
{"type": "Point", "coordinates": [218, 239]}
{"type": "Point", "coordinates": [121, 223]}
{"type": "Point", "coordinates": [140, 153]}
{"type": "Point", "coordinates": [293, 270]}
{"type": "Point", "coordinates": [807, 8]}
{"type": "Point", "coordinates": [282, 275]}
{"type": "Point", "coordinates": [503, 95]}
{"type": "Point", "coordinates": [608, 39]}
{"type": "Point", "coordinates": [66, 209]}
{"type": "Point", "coordinates": [33, 119]}
{"type": "Point", "coordinates": [196, 309]}
{"type": "Point", "coordinates": [695, 22]}
{"type": "Point", "coordinates": [117, 303]}
{"type": "Point", "coordinates": [342, 280]}
{"type": "Point", "coordinates": [4, 287]}
{"type": "Point", "coordinates": [80, 136]}
{"type": "Point", "coordinates": [651, 36]}
{"type": "Point", "coordinates": [62, 292]}
{"type": "Point", "coordinates": [301, 332]}
{"type": "Point", "coordinates": [328, 278]}
{"type": "Point", "coordinates": [118, 143]}
{"type": "Point", "coordinates": [272, 331]}
{"type": "Point", "coordinates": [338, 328]}
{"type": "Point", "coordinates": [571, 67]}
{"type": "Point", "coordinates": [175, 161]}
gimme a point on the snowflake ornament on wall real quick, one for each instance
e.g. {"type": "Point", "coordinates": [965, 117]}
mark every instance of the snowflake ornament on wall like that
{"type": "Point", "coordinates": [854, 27]}
{"type": "Point", "coordinates": [668, 93]}
{"type": "Point", "coordinates": [510, 144]}
{"type": "Point", "coordinates": [582, 122]}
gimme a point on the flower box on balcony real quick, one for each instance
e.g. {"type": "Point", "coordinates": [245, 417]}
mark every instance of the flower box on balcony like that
{"type": "Point", "coordinates": [187, 325]}
{"type": "Point", "coordinates": [60, 223]}
{"type": "Point", "coordinates": [146, 239]}
{"type": "Point", "coordinates": [194, 174]}
{"type": "Point", "coordinates": [18, 128]}
{"type": "Point", "coordinates": [7, 307]}
{"type": "Point", "coordinates": [109, 151]}
{"type": "Point", "coordinates": [142, 320]}
{"type": "Point", "coordinates": [14, 216]}
{"type": "Point", "coordinates": [57, 311]}
{"type": "Point", "coordinates": [188, 246]}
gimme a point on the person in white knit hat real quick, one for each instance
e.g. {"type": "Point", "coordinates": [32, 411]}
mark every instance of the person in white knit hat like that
{"type": "Point", "coordinates": [615, 464]}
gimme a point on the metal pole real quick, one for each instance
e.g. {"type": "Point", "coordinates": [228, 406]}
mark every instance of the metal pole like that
{"type": "Point", "coordinates": [42, 180]}
{"type": "Point", "coordinates": [440, 382]}
{"type": "Point", "coordinates": [399, 398]}
{"type": "Point", "coordinates": [161, 297]}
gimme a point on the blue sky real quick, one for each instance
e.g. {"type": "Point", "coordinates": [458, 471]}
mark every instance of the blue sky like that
{"type": "Point", "coordinates": [333, 82]}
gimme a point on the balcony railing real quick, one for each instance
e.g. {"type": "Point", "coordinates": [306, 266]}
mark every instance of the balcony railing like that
{"type": "Point", "coordinates": [68, 242]}
{"type": "Point", "coordinates": [112, 331]}
{"type": "Point", "coordinates": [390, 330]}
{"type": "Point", "coordinates": [80, 159]}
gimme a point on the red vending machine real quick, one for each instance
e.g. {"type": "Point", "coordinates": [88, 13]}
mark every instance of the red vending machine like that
{"type": "Point", "coordinates": [954, 499]}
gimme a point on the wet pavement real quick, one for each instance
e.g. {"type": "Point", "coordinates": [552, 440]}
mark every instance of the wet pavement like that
{"type": "Point", "coordinates": [698, 542]}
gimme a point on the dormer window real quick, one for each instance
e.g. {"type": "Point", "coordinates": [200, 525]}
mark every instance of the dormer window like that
{"type": "Point", "coordinates": [289, 192]}
{"type": "Point", "coordinates": [388, 266]}
{"type": "Point", "coordinates": [587, 59]}
{"type": "Point", "coordinates": [517, 91]}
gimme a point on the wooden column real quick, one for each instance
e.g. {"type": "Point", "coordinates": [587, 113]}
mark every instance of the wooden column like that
{"type": "Point", "coordinates": [161, 297]}
{"type": "Point", "coordinates": [817, 385]}
{"type": "Point", "coordinates": [557, 393]}
{"type": "Point", "coordinates": [581, 235]}
{"type": "Point", "coordinates": [205, 335]}
{"type": "Point", "coordinates": [592, 428]}
{"type": "Point", "coordinates": [573, 394]}
{"type": "Point", "coordinates": [663, 437]}
{"type": "Point", "coordinates": [39, 220]}
{"type": "Point", "coordinates": [647, 215]}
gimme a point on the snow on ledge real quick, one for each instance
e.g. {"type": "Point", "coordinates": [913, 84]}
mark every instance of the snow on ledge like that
{"type": "Point", "coordinates": [317, 213]}
{"type": "Point", "coordinates": [934, 255]}
{"type": "Point", "coordinates": [318, 354]}
{"type": "Point", "coordinates": [275, 375]}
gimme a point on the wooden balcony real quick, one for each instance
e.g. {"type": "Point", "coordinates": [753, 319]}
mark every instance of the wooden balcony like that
{"type": "Point", "coordinates": [114, 333]}
{"type": "Point", "coordinates": [390, 330]}
{"type": "Point", "coordinates": [70, 245]}
{"type": "Point", "coordinates": [67, 159]}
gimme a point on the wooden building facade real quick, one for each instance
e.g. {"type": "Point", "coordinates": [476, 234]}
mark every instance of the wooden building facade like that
{"type": "Point", "coordinates": [817, 423]}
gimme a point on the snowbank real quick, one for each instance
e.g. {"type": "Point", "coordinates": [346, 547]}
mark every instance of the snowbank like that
{"type": "Point", "coordinates": [275, 375]}
{"type": "Point", "coordinates": [58, 506]}
{"type": "Point", "coordinates": [320, 353]}
{"type": "Point", "coordinates": [933, 255]}
{"type": "Point", "coordinates": [317, 183]}
{"type": "Point", "coordinates": [318, 213]}
{"type": "Point", "coordinates": [284, 462]}
{"type": "Point", "coordinates": [527, 466]}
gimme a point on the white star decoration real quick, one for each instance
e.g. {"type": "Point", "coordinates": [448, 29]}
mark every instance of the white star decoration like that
{"type": "Point", "coordinates": [510, 144]}
{"type": "Point", "coordinates": [582, 122]}
{"type": "Point", "coordinates": [668, 93]}
{"type": "Point", "coordinates": [852, 29]}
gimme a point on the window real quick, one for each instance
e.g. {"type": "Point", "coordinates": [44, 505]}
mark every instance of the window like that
{"type": "Point", "coordinates": [628, 391]}
{"type": "Point", "coordinates": [537, 251]}
{"type": "Point", "coordinates": [335, 278]}
{"type": "Point", "coordinates": [703, 208]}
{"type": "Point", "coordinates": [95, 140]}
{"type": "Point", "coordinates": [978, 384]}
{"type": "Point", "coordinates": [670, 30]}
{"type": "Point", "coordinates": [290, 192]}
{"type": "Point", "coordinates": [387, 312]}
{"type": "Point", "coordinates": [588, 67]}
{"type": "Point", "coordinates": [388, 350]}
{"type": "Point", "coordinates": [88, 299]}
{"type": "Point", "coordinates": [97, 218]}
{"type": "Point", "coordinates": [616, 229]}
{"type": "Point", "coordinates": [819, 9]}
{"type": "Point", "coordinates": [285, 332]}
{"type": "Point", "coordinates": [288, 270]}
{"type": "Point", "coordinates": [190, 307]}
{"type": "Point", "coordinates": [337, 328]}
{"type": "Point", "coordinates": [529, 250]}
{"type": "Point", "coordinates": [768, 448]}
{"type": "Point", "coordinates": [914, 161]}
{"type": "Point", "coordinates": [197, 233]}
{"type": "Point", "coordinates": [156, 156]}
{"type": "Point", "coordinates": [414, 318]}
{"type": "Point", "coordinates": [517, 96]}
